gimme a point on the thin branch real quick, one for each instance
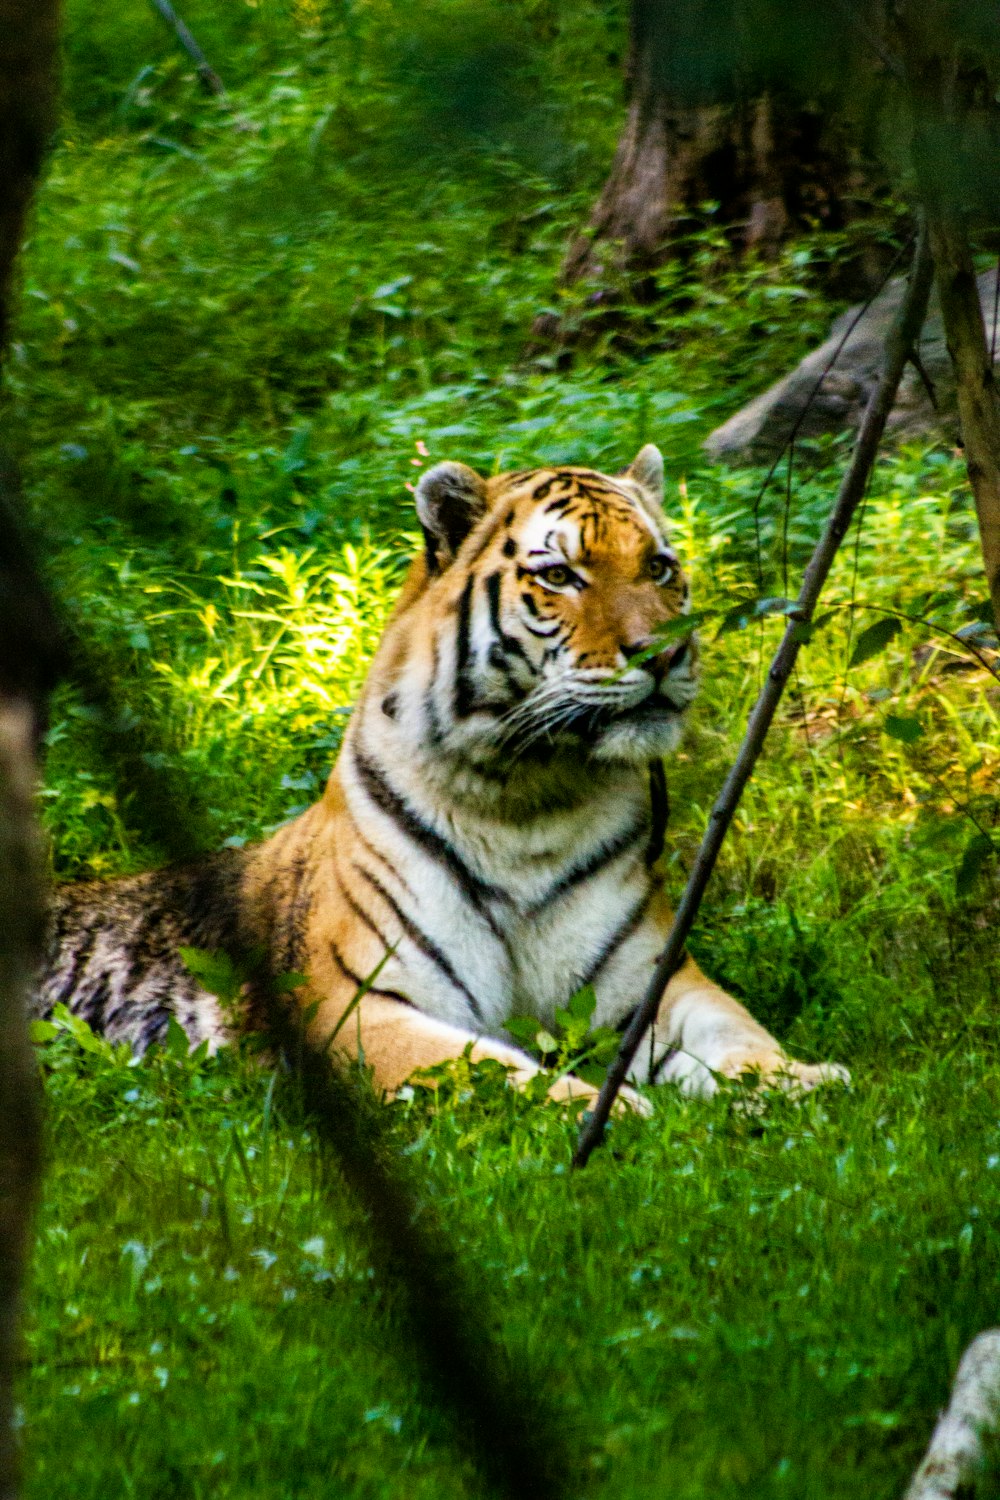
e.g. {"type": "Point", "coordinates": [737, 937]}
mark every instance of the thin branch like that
{"type": "Point", "coordinates": [956, 1457]}
{"type": "Point", "coordinates": [901, 338]}
{"type": "Point", "coordinates": [209, 77]}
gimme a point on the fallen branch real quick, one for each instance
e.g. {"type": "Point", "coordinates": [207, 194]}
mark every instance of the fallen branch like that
{"type": "Point", "coordinates": [209, 77]}
{"type": "Point", "coordinates": [956, 1457]}
{"type": "Point", "coordinates": [901, 338]}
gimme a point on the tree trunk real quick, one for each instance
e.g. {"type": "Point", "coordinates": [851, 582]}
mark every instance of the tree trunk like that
{"type": "Point", "coordinates": [28, 43]}
{"type": "Point", "coordinates": [22, 922]}
{"type": "Point", "coordinates": [772, 166]}
{"type": "Point", "coordinates": [941, 104]}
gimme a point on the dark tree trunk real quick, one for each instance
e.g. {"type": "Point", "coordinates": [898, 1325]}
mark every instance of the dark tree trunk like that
{"type": "Point", "coordinates": [945, 100]}
{"type": "Point", "coordinates": [772, 165]}
{"type": "Point", "coordinates": [28, 43]}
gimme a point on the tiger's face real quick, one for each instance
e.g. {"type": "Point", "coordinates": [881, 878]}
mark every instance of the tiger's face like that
{"type": "Point", "coordinates": [552, 588]}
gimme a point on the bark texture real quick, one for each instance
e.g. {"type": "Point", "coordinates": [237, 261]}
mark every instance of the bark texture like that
{"type": "Point", "coordinates": [22, 929]}
{"type": "Point", "coordinates": [28, 42]}
{"type": "Point", "coordinates": [942, 101]}
{"type": "Point", "coordinates": [772, 166]}
{"type": "Point", "coordinates": [29, 34]}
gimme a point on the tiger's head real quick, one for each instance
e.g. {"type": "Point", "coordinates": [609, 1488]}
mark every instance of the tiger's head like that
{"type": "Point", "coordinates": [542, 596]}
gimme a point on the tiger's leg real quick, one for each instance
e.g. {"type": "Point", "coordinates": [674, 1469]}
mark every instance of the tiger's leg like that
{"type": "Point", "coordinates": [396, 1040]}
{"type": "Point", "coordinates": [700, 1031]}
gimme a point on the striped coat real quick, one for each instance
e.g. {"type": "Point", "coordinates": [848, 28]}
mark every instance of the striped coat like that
{"type": "Point", "coordinates": [487, 841]}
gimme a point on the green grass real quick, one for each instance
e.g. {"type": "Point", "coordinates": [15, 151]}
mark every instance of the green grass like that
{"type": "Point", "coordinates": [243, 324]}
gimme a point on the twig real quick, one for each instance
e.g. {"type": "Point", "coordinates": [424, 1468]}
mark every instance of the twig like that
{"type": "Point", "coordinates": [209, 77]}
{"type": "Point", "coordinates": [955, 1458]}
{"type": "Point", "coordinates": [902, 335]}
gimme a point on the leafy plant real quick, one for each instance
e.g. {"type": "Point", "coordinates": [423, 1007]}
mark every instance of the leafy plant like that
{"type": "Point", "coordinates": [570, 1044]}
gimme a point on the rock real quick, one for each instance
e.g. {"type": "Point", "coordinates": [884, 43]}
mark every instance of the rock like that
{"type": "Point", "coordinates": [829, 403]}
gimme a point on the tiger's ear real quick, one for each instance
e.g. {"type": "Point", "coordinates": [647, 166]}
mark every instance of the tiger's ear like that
{"type": "Point", "coordinates": [646, 471]}
{"type": "Point", "coordinates": [451, 498]}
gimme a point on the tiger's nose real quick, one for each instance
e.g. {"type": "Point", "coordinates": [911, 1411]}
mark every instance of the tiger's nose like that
{"type": "Point", "coordinates": [636, 648]}
{"type": "Point", "coordinates": [662, 661]}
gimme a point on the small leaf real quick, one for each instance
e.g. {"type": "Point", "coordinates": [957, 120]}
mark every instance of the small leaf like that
{"type": "Point", "coordinates": [546, 1042]}
{"type": "Point", "coordinates": [739, 617]}
{"type": "Point", "coordinates": [979, 633]}
{"type": "Point", "coordinates": [977, 851]}
{"type": "Point", "coordinates": [583, 1004]}
{"type": "Point", "coordinates": [523, 1029]}
{"type": "Point", "coordinates": [286, 983]}
{"type": "Point", "coordinates": [908, 730]}
{"type": "Point", "coordinates": [736, 618]}
{"type": "Point", "coordinates": [42, 1031]}
{"type": "Point", "coordinates": [177, 1040]}
{"type": "Point", "coordinates": [804, 630]}
{"type": "Point", "coordinates": [774, 606]}
{"type": "Point", "coordinates": [873, 640]}
{"type": "Point", "coordinates": [215, 972]}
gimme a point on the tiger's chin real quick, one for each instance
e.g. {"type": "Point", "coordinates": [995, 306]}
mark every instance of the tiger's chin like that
{"type": "Point", "coordinates": [644, 733]}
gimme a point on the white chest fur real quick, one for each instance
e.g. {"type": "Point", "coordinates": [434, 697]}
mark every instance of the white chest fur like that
{"type": "Point", "coordinates": [523, 910]}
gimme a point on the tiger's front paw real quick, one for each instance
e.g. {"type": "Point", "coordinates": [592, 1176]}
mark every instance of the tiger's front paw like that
{"type": "Point", "coordinates": [773, 1070]}
{"type": "Point", "coordinates": [570, 1090]}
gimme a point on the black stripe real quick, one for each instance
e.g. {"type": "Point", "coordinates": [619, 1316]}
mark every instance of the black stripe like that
{"type": "Point", "coordinates": [510, 645]}
{"type": "Point", "coordinates": [477, 892]}
{"type": "Point", "coordinates": [544, 635]}
{"type": "Point", "coordinates": [363, 917]}
{"type": "Point", "coordinates": [71, 978]}
{"type": "Point", "coordinates": [357, 980]}
{"type": "Point", "coordinates": [434, 731]}
{"type": "Point", "coordinates": [420, 940]}
{"type": "Point", "coordinates": [659, 802]}
{"type": "Point", "coordinates": [668, 1056]}
{"type": "Point", "coordinates": [622, 932]}
{"type": "Point", "coordinates": [464, 697]}
{"type": "Point", "coordinates": [603, 856]}
{"type": "Point", "coordinates": [377, 854]}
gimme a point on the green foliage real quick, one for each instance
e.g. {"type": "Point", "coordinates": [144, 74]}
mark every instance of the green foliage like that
{"type": "Point", "coordinates": [570, 1044]}
{"type": "Point", "coordinates": [874, 639]}
{"type": "Point", "coordinates": [246, 327]}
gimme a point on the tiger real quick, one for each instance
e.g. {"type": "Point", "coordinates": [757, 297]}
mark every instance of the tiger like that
{"type": "Point", "coordinates": [487, 845]}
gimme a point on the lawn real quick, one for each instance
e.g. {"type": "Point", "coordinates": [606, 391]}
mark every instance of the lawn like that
{"type": "Point", "coordinates": [246, 324]}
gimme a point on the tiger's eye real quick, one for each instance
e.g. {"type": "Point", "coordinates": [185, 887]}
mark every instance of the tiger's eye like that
{"type": "Point", "coordinates": [661, 570]}
{"type": "Point", "coordinates": [557, 576]}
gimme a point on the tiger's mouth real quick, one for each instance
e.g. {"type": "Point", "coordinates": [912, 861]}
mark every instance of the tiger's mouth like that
{"type": "Point", "coordinates": [594, 719]}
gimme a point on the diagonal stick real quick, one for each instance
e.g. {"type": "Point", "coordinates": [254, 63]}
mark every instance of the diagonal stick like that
{"type": "Point", "coordinates": [209, 77]}
{"type": "Point", "coordinates": [898, 345]}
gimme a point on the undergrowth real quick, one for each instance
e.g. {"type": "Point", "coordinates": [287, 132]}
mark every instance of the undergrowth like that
{"type": "Point", "coordinates": [246, 325]}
